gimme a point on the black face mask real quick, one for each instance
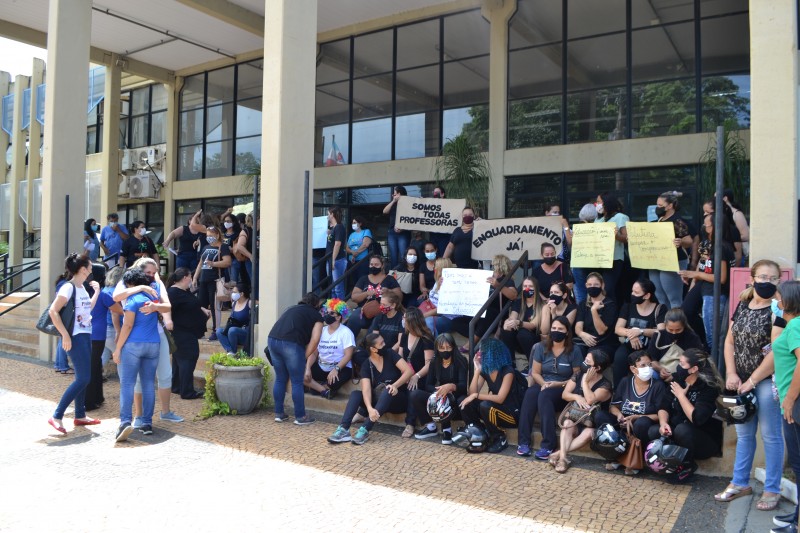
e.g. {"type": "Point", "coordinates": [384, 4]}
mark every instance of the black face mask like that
{"type": "Point", "coordinates": [382, 351]}
{"type": "Point", "coordinates": [668, 338]}
{"type": "Point", "coordinates": [765, 289]}
{"type": "Point", "coordinates": [549, 260]}
{"type": "Point", "coordinates": [556, 298]}
{"type": "Point", "coordinates": [558, 336]}
{"type": "Point", "coordinates": [594, 292]}
{"type": "Point", "coordinates": [329, 319]}
{"type": "Point", "coordinates": [661, 211]}
{"type": "Point", "coordinates": [584, 366]}
{"type": "Point", "coordinates": [150, 279]}
{"type": "Point", "coordinates": [528, 293]}
{"type": "Point", "coordinates": [636, 300]}
{"type": "Point", "coordinates": [681, 374]}
{"type": "Point", "coordinates": [375, 270]}
{"type": "Point", "coordinates": [446, 355]}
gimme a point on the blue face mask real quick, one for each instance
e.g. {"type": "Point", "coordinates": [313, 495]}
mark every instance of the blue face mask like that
{"type": "Point", "coordinates": [777, 311]}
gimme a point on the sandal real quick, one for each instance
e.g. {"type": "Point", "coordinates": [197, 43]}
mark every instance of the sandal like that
{"type": "Point", "coordinates": [562, 466]}
{"type": "Point", "coordinates": [768, 501]}
{"type": "Point", "coordinates": [732, 492]}
{"type": "Point", "coordinates": [408, 432]}
{"type": "Point", "coordinates": [631, 472]}
{"type": "Point", "coordinates": [554, 459]}
{"type": "Point", "coordinates": [612, 466]}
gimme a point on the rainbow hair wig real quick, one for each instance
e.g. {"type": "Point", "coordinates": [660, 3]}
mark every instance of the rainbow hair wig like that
{"type": "Point", "coordinates": [335, 305]}
{"type": "Point", "coordinates": [494, 355]}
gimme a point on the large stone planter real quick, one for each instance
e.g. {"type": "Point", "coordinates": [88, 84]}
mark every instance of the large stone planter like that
{"type": "Point", "coordinates": [240, 387]}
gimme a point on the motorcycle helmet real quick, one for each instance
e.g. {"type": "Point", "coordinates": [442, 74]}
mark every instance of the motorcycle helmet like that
{"type": "Point", "coordinates": [439, 408]}
{"type": "Point", "coordinates": [738, 408]}
{"type": "Point", "coordinates": [472, 438]}
{"type": "Point", "coordinates": [609, 442]}
{"type": "Point", "coordinates": [663, 457]}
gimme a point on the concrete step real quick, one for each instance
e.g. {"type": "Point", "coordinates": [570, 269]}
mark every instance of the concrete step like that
{"type": "Point", "coordinates": [18, 297]}
{"type": "Point", "coordinates": [17, 347]}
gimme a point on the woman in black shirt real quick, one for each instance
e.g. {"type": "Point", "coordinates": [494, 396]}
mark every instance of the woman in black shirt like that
{"type": "Point", "coordinates": [335, 246]}
{"type": "Point", "coordinates": [521, 330]}
{"type": "Point", "coordinates": [189, 324]}
{"type": "Point", "coordinates": [558, 304]}
{"type": "Point", "coordinates": [447, 376]}
{"type": "Point", "coordinates": [551, 270]}
{"type": "Point", "coordinates": [594, 326]}
{"type": "Point", "coordinates": [383, 390]}
{"type": "Point", "coordinates": [638, 323]}
{"type": "Point", "coordinates": [416, 347]}
{"type": "Point", "coordinates": [427, 275]}
{"type": "Point", "coordinates": [369, 289]}
{"type": "Point", "coordinates": [460, 246]}
{"type": "Point", "coordinates": [214, 257]}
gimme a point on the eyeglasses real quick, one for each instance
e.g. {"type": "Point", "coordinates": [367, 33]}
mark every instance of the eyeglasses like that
{"type": "Point", "coordinates": [763, 278]}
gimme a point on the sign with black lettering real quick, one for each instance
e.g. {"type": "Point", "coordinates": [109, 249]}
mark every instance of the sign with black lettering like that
{"type": "Point", "coordinates": [438, 215]}
{"type": "Point", "coordinates": [512, 236]}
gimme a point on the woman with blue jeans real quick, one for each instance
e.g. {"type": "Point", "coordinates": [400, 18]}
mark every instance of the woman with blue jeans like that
{"type": "Point", "coordinates": [136, 355]}
{"type": "Point", "coordinates": [291, 341]}
{"type": "Point", "coordinates": [236, 331]}
{"type": "Point", "coordinates": [75, 338]}
{"type": "Point", "coordinates": [749, 366]}
{"type": "Point", "coordinates": [337, 263]}
{"type": "Point", "coordinates": [669, 285]}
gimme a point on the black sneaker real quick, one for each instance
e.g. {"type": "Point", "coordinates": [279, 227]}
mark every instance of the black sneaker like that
{"type": "Point", "coordinates": [304, 421]}
{"type": "Point", "coordinates": [124, 432]}
{"type": "Point", "coordinates": [784, 519]}
{"type": "Point", "coordinates": [447, 437]}
{"type": "Point", "coordinates": [426, 433]}
{"type": "Point", "coordinates": [789, 528]}
{"type": "Point", "coordinates": [147, 429]}
{"type": "Point", "coordinates": [281, 418]}
{"type": "Point", "coordinates": [499, 443]}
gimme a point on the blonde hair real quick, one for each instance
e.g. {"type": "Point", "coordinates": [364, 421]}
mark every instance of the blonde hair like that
{"type": "Point", "coordinates": [440, 265]}
{"type": "Point", "coordinates": [502, 264]}
{"type": "Point", "coordinates": [142, 261]}
{"type": "Point", "coordinates": [747, 294]}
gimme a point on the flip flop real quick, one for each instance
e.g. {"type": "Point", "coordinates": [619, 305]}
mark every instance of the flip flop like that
{"type": "Point", "coordinates": [768, 503]}
{"type": "Point", "coordinates": [68, 371]}
{"type": "Point", "coordinates": [732, 492]}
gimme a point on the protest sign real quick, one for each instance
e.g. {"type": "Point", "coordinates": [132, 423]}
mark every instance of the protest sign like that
{"type": "Point", "coordinates": [429, 214]}
{"type": "Point", "coordinates": [463, 292]}
{"type": "Point", "coordinates": [319, 232]}
{"type": "Point", "coordinates": [650, 246]}
{"type": "Point", "coordinates": [593, 245]}
{"type": "Point", "coordinates": [512, 236]}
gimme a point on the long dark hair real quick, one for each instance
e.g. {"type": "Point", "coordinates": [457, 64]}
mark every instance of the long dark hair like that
{"type": "Point", "coordinates": [87, 227]}
{"type": "Point", "coordinates": [564, 321]}
{"type": "Point", "coordinates": [611, 205]}
{"type": "Point", "coordinates": [415, 324]}
{"type": "Point", "coordinates": [236, 229]}
{"type": "Point", "coordinates": [72, 264]}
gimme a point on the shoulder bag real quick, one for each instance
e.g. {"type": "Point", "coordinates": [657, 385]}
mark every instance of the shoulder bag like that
{"type": "Point", "coordinates": [633, 457]}
{"type": "Point", "coordinates": [403, 279]}
{"type": "Point", "coordinates": [67, 314]}
{"type": "Point", "coordinates": [577, 414]}
{"type": "Point", "coordinates": [223, 292]}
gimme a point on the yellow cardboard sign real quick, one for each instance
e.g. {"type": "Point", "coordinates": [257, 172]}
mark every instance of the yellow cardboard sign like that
{"type": "Point", "coordinates": [593, 245]}
{"type": "Point", "coordinates": [651, 246]}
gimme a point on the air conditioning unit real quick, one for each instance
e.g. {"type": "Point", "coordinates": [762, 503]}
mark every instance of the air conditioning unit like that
{"type": "Point", "coordinates": [142, 185]}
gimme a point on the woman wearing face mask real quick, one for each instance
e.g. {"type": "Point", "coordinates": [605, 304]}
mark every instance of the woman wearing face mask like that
{"type": "Point", "coordinates": [383, 390]}
{"type": "Point", "coordinates": [369, 289]}
{"type": "Point", "coordinates": [358, 244]}
{"type": "Point", "coordinates": [687, 417]}
{"type": "Point", "coordinates": [389, 322]}
{"type": "Point", "coordinates": [460, 245]}
{"type": "Point", "coordinates": [521, 330]}
{"type": "Point", "coordinates": [231, 232]}
{"type": "Point", "coordinates": [610, 210]}
{"type": "Point", "coordinates": [330, 363]}
{"type": "Point", "coordinates": [594, 325]}
{"type": "Point", "coordinates": [551, 270]}
{"type": "Point", "coordinates": [427, 276]}
{"type": "Point", "coordinates": [676, 336]}
{"type": "Point", "coordinates": [636, 402]}
{"type": "Point", "coordinates": [586, 388]}
{"type": "Point", "coordinates": [416, 347]}
{"type": "Point", "coordinates": [553, 363]}
{"type": "Point", "coordinates": [447, 377]}
{"type": "Point", "coordinates": [237, 331]}
{"type": "Point", "coordinates": [337, 263]}
{"type": "Point", "coordinates": [397, 239]}
{"type": "Point", "coordinates": [138, 245]}
{"type": "Point", "coordinates": [411, 265]}
{"type": "Point", "coordinates": [638, 322]}
{"type": "Point", "coordinates": [189, 325]}
{"type": "Point", "coordinates": [558, 304]}
{"type": "Point", "coordinates": [214, 256]}
{"type": "Point", "coordinates": [439, 240]}
{"type": "Point", "coordinates": [188, 237]}
{"type": "Point", "coordinates": [747, 368]}
{"type": "Point", "coordinates": [669, 286]}
{"type": "Point", "coordinates": [91, 243]}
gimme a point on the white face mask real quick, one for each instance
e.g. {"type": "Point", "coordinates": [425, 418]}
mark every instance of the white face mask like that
{"type": "Point", "coordinates": [645, 373]}
{"type": "Point", "coordinates": [211, 240]}
{"type": "Point", "coordinates": [355, 227]}
{"type": "Point", "coordinates": [411, 259]}
{"type": "Point", "coordinates": [113, 224]}
{"type": "Point", "coordinates": [142, 231]}
{"type": "Point", "coordinates": [228, 225]}
{"type": "Point", "coordinates": [235, 296]}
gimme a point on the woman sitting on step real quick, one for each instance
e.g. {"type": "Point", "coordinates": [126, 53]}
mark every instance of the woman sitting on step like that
{"type": "Point", "coordinates": [331, 361]}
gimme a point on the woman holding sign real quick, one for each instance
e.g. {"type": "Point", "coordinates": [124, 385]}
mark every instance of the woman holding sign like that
{"type": "Point", "coordinates": [669, 286]}
{"type": "Point", "coordinates": [610, 210]}
{"type": "Point", "coordinates": [594, 327]}
{"type": "Point", "coordinates": [460, 246]}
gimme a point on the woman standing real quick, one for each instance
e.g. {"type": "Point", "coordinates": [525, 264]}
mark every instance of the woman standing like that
{"type": "Point", "coordinates": [102, 328]}
{"type": "Point", "coordinates": [551, 270]}
{"type": "Point", "coordinates": [398, 239]}
{"type": "Point", "coordinates": [189, 324]}
{"type": "Point", "coordinates": [358, 244]}
{"type": "Point", "coordinates": [748, 367]}
{"type": "Point", "coordinates": [292, 340]}
{"type": "Point", "coordinates": [594, 325]}
{"type": "Point", "coordinates": [229, 236]}
{"type": "Point", "coordinates": [522, 328]}
{"type": "Point", "coordinates": [75, 338]}
{"type": "Point", "coordinates": [410, 265]}
{"type": "Point", "coordinates": [369, 289]}
{"type": "Point", "coordinates": [337, 263]}
{"type": "Point", "coordinates": [331, 363]}
{"type": "Point", "coordinates": [610, 210]}
{"type": "Point", "coordinates": [188, 237]}
{"type": "Point", "coordinates": [416, 348]}
{"type": "Point", "coordinates": [91, 243]}
{"type": "Point", "coordinates": [638, 324]}
{"type": "Point", "coordinates": [237, 331]}
{"type": "Point", "coordinates": [669, 286]}
{"type": "Point", "coordinates": [460, 245]}
{"type": "Point", "coordinates": [214, 256]}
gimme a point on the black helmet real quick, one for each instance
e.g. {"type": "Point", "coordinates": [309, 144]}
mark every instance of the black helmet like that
{"type": "Point", "coordinates": [663, 457]}
{"type": "Point", "coordinates": [473, 438]}
{"type": "Point", "coordinates": [737, 409]}
{"type": "Point", "coordinates": [440, 407]}
{"type": "Point", "coordinates": [609, 442]}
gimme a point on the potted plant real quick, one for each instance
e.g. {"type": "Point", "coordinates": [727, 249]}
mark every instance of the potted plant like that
{"type": "Point", "coordinates": [235, 385]}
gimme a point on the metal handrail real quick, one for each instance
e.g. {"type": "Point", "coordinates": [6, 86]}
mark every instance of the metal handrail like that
{"type": "Point", "coordinates": [347, 272]}
{"type": "Point", "coordinates": [4, 281]}
{"type": "Point", "coordinates": [31, 266]}
{"type": "Point", "coordinates": [115, 255]}
{"type": "Point", "coordinates": [522, 261]}
{"type": "Point", "coordinates": [319, 261]}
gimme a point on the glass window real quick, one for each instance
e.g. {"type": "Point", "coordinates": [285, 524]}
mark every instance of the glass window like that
{"type": "Point", "coordinates": [465, 35]}
{"type": "Point", "coordinates": [596, 62]}
{"type": "Point", "coordinates": [372, 140]}
{"type": "Point", "coordinates": [184, 210]}
{"type": "Point", "coordinates": [334, 62]}
{"type": "Point", "coordinates": [726, 99]}
{"type": "Point", "coordinates": [725, 44]}
{"type": "Point", "coordinates": [710, 8]}
{"type": "Point", "coordinates": [139, 131]}
{"type": "Point", "coordinates": [373, 53]}
{"type": "Point", "coordinates": [248, 117]}
{"type": "Point", "coordinates": [589, 17]}
{"type": "Point", "coordinates": [219, 159]}
{"type": "Point", "coordinates": [466, 82]}
{"type": "Point", "coordinates": [663, 52]}
{"type": "Point", "coordinates": [91, 140]}
{"type": "Point", "coordinates": [529, 196]}
{"type": "Point", "coordinates": [140, 101]}
{"type": "Point", "coordinates": [472, 121]}
{"type": "Point", "coordinates": [372, 97]}
{"type": "Point", "coordinates": [418, 44]}
{"type": "Point", "coordinates": [191, 127]}
{"type": "Point", "coordinates": [535, 96]}
{"type": "Point", "coordinates": [159, 97]}
{"type": "Point", "coordinates": [190, 162]}
{"type": "Point", "coordinates": [219, 122]}
{"type": "Point", "coordinates": [535, 22]}
{"type": "Point", "coordinates": [328, 136]}
{"type": "Point", "coordinates": [534, 122]}
{"type": "Point", "coordinates": [418, 90]}
{"type": "Point", "coordinates": [655, 12]}
{"type": "Point", "coordinates": [220, 85]}
{"type": "Point", "coordinates": [250, 79]}
{"type": "Point", "coordinates": [158, 128]}
{"type": "Point", "coordinates": [192, 92]}
{"type": "Point", "coordinates": [123, 133]}
{"type": "Point", "coordinates": [248, 155]}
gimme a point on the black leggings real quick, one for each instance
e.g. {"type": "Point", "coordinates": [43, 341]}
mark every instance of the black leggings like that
{"type": "Point", "coordinates": [520, 340]}
{"type": "Point", "coordinates": [699, 443]}
{"type": "Point", "coordinates": [386, 404]}
{"type": "Point", "coordinates": [207, 293]}
{"type": "Point", "coordinates": [94, 390]}
{"type": "Point", "coordinates": [318, 374]}
{"type": "Point", "coordinates": [419, 400]}
{"type": "Point", "coordinates": [546, 403]}
{"type": "Point", "coordinates": [184, 361]}
{"type": "Point", "coordinates": [490, 415]}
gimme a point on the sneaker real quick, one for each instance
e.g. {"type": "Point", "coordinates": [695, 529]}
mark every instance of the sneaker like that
{"type": "Point", "coordinates": [304, 421]}
{"type": "Point", "coordinates": [146, 429]}
{"type": "Point", "coordinates": [524, 450]}
{"type": "Point", "coordinates": [425, 433]}
{"type": "Point", "coordinates": [138, 422]}
{"type": "Point", "coordinates": [499, 443]}
{"type": "Point", "coordinates": [789, 528]}
{"type": "Point", "coordinates": [340, 435]}
{"type": "Point", "coordinates": [326, 394]}
{"type": "Point", "coordinates": [213, 336]}
{"type": "Point", "coordinates": [124, 432]}
{"type": "Point", "coordinates": [447, 437]}
{"type": "Point", "coordinates": [281, 418]}
{"type": "Point", "coordinates": [783, 520]}
{"type": "Point", "coordinates": [543, 454]}
{"type": "Point", "coordinates": [362, 436]}
{"type": "Point", "coordinates": [170, 416]}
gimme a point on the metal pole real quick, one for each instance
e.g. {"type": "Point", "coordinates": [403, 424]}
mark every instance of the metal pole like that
{"type": "Point", "coordinates": [305, 231]}
{"type": "Point", "coordinates": [718, 217]}
{"type": "Point", "coordinates": [254, 280]}
{"type": "Point", "coordinates": [66, 227]}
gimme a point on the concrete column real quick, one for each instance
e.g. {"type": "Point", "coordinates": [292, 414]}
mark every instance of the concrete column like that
{"type": "Point", "coordinates": [64, 171]}
{"type": "Point", "coordinates": [498, 14]}
{"type": "Point", "coordinates": [287, 142]}
{"type": "Point", "coordinates": [16, 232]}
{"type": "Point", "coordinates": [170, 163]}
{"type": "Point", "coordinates": [773, 133]}
{"type": "Point", "coordinates": [110, 157]}
{"type": "Point", "coordinates": [34, 134]}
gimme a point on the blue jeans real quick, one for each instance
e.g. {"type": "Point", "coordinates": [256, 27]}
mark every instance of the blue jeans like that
{"type": "Point", "coordinates": [398, 242]}
{"type": "Point", "coordinates": [791, 435]}
{"type": "Point", "coordinates": [669, 285]}
{"type": "Point", "coordinates": [579, 288]}
{"type": "Point", "coordinates": [289, 361]}
{"type": "Point", "coordinates": [708, 319]}
{"type": "Point", "coordinates": [769, 414]}
{"type": "Point", "coordinates": [439, 324]}
{"type": "Point", "coordinates": [61, 362]}
{"type": "Point", "coordinates": [81, 356]}
{"type": "Point", "coordinates": [187, 260]}
{"type": "Point", "coordinates": [137, 359]}
{"type": "Point", "coordinates": [339, 266]}
{"type": "Point", "coordinates": [236, 337]}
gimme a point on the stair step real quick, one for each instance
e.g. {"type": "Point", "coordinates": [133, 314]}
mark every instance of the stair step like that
{"type": "Point", "coordinates": [18, 347]}
{"type": "Point", "coordinates": [17, 297]}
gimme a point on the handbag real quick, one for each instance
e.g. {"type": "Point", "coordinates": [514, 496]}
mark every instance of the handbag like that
{"type": "Point", "coordinates": [371, 309]}
{"type": "Point", "coordinates": [670, 359]}
{"type": "Point", "coordinates": [633, 457]}
{"type": "Point", "coordinates": [223, 292]}
{"type": "Point", "coordinates": [67, 314]}
{"type": "Point", "coordinates": [577, 414]}
{"type": "Point", "coordinates": [404, 279]}
{"type": "Point", "coordinates": [426, 305]}
{"type": "Point", "coordinates": [173, 346]}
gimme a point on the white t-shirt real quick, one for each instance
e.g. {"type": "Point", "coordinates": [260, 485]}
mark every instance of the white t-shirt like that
{"type": "Point", "coordinates": [83, 308]}
{"type": "Point", "coordinates": [332, 346]}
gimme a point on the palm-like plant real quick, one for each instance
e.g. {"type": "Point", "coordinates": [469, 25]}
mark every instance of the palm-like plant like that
{"type": "Point", "coordinates": [464, 171]}
{"type": "Point", "coordinates": [736, 167]}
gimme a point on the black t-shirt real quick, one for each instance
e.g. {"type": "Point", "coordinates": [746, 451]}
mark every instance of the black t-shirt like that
{"type": "Point", "coordinates": [706, 264]}
{"type": "Point", "coordinates": [187, 315]}
{"type": "Point", "coordinates": [430, 274]}
{"type": "Point", "coordinates": [545, 280]}
{"type": "Point", "coordinates": [212, 253]}
{"type": "Point", "coordinates": [629, 402]}
{"type": "Point", "coordinates": [336, 234]}
{"type": "Point", "coordinates": [567, 310]}
{"type": "Point", "coordinates": [296, 324]}
{"type": "Point", "coordinates": [601, 383]}
{"type": "Point", "coordinates": [512, 401]}
{"type": "Point", "coordinates": [455, 373]}
{"type": "Point", "coordinates": [635, 320]}
{"type": "Point", "coordinates": [389, 374]}
{"type": "Point", "coordinates": [462, 249]}
{"type": "Point", "coordinates": [702, 396]}
{"type": "Point", "coordinates": [186, 241]}
{"type": "Point", "coordinates": [392, 216]}
{"type": "Point", "coordinates": [682, 228]}
{"type": "Point", "coordinates": [659, 344]}
{"type": "Point", "coordinates": [524, 312]}
{"type": "Point", "coordinates": [365, 284]}
{"type": "Point", "coordinates": [608, 315]}
{"type": "Point", "coordinates": [389, 328]}
{"type": "Point", "coordinates": [229, 238]}
{"type": "Point", "coordinates": [415, 357]}
{"type": "Point", "coordinates": [133, 246]}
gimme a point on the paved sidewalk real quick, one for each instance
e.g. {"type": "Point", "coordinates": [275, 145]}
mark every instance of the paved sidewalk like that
{"type": "Point", "coordinates": [232, 472]}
